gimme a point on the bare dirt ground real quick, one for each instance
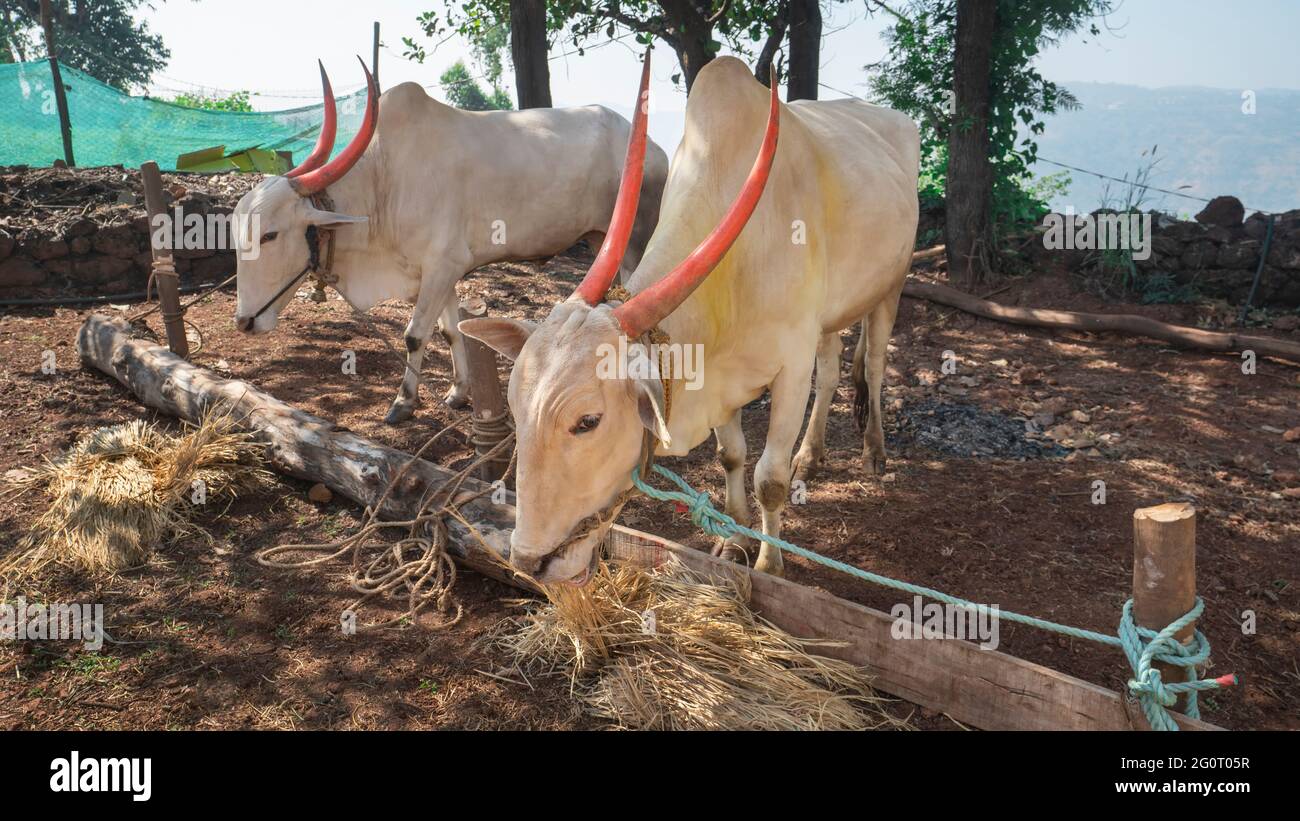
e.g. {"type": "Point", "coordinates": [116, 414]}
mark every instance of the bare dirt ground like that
{"type": "Point", "coordinates": [210, 639]}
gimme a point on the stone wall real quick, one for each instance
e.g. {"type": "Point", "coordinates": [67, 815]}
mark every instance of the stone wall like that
{"type": "Point", "coordinates": [1218, 252]}
{"type": "Point", "coordinates": [85, 232]}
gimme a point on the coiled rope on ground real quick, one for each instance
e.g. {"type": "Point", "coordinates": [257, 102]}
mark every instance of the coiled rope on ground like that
{"type": "Point", "coordinates": [416, 567]}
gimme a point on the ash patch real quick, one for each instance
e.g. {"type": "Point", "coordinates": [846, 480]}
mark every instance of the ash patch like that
{"type": "Point", "coordinates": [962, 429]}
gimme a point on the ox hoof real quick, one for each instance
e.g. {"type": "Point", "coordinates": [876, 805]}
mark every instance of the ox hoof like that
{"type": "Point", "coordinates": [806, 465]}
{"type": "Point", "coordinates": [731, 551]}
{"type": "Point", "coordinates": [456, 398]}
{"type": "Point", "coordinates": [770, 566]}
{"type": "Point", "coordinates": [400, 412]}
{"type": "Point", "coordinates": [874, 463]}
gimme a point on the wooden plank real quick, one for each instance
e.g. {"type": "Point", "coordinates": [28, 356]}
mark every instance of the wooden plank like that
{"type": "Point", "coordinates": [981, 688]}
{"type": "Point", "coordinates": [987, 689]}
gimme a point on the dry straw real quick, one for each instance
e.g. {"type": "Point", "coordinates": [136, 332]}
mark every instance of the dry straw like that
{"type": "Point", "coordinates": [121, 491]}
{"type": "Point", "coordinates": [702, 661]}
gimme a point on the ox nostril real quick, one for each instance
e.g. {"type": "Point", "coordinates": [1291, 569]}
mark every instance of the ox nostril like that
{"type": "Point", "coordinates": [528, 565]}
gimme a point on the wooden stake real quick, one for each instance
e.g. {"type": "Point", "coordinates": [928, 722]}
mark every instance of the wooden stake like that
{"type": "Point", "coordinates": [485, 392]}
{"type": "Point", "coordinates": [164, 270]}
{"type": "Point", "coordinates": [1164, 573]}
{"type": "Point", "coordinates": [60, 95]}
{"type": "Point", "coordinates": [374, 58]}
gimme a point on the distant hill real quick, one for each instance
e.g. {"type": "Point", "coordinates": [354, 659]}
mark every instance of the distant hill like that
{"type": "Point", "coordinates": [1204, 140]}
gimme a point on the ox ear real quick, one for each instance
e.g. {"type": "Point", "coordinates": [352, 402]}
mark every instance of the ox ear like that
{"type": "Point", "coordinates": [504, 335]}
{"type": "Point", "coordinates": [331, 219]}
{"type": "Point", "coordinates": [650, 407]}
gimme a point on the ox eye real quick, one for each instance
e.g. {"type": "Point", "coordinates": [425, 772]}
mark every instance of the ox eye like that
{"type": "Point", "coordinates": [586, 424]}
{"type": "Point", "coordinates": [270, 235]}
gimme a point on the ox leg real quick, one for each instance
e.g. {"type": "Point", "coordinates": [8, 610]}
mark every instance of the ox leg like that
{"type": "Point", "coordinates": [772, 475]}
{"type": "Point", "coordinates": [813, 450]}
{"type": "Point", "coordinates": [731, 453]}
{"type": "Point", "coordinates": [458, 395]}
{"type": "Point", "coordinates": [434, 295]}
{"type": "Point", "coordinates": [877, 327]}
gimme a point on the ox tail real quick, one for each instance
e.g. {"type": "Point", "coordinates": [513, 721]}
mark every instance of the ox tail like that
{"type": "Point", "coordinates": [861, 390]}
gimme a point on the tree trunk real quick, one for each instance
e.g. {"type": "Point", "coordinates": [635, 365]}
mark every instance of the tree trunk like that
{"type": "Point", "coordinates": [775, 36]}
{"type": "Point", "coordinates": [528, 53]}
{"type": "Point", "coordinates": [805, 49]}
{"type": "Point", "coordinates": [970, 175]}
{"type": "Point", "coordinates": [690, 33]}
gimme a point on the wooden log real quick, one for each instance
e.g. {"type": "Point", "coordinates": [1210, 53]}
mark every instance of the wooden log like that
{"type": "Point", "coordinates": [1164, 573]}
{"type": "Point", "coordinates": [982, 688]}
{"type": "Point", "coordinates": [1179, 335]}
{"type": "Point", "coordinates": [929, 253]}
{"type": "Point", "coordinates": [164, 268]}
{"type": "Point", "coordinates": [299, 444]}
{"type": "Point", "coordinates": [486, 397]}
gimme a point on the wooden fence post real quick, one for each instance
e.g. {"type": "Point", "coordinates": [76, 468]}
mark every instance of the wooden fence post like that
{"type": "Point", "coordinates": [1164, 574]}
{"type": "Point", "coordinates": [490, 415]}
{"type": "Point", "coordinates": [164, 271]}
{"type": "Point", "coordinates": [60, 95]}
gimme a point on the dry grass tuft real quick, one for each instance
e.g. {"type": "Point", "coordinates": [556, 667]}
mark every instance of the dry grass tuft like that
{"type": "Point", "coordinates": [708, 663]}
{"type": "Point", "coordinates": [120, 491]}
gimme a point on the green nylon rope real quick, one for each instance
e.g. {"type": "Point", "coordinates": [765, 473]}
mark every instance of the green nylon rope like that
{"type": "Point", "coordinates": [1141, 645]}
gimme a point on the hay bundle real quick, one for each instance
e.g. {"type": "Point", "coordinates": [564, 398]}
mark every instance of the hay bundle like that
{"type": "Point", "coordinates": [121, 490]}
{"type": "Point", "coordinates": [705, 662]}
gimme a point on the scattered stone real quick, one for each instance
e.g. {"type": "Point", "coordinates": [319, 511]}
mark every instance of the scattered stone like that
{"type": "Point", "coordinates": [320, 494]}
{"type": "Point", "coordinates": [1081, 441]}
{"type": "Point", "coordinates": [18, 475]}
{"type": "Point", "coordinates": [1250, 463]}
{"type": "Point", "coordinates": [1080, 417]}
{"type": "Point", "coordinates": [1054, 405]}
{"type": "Point", "coordinates": [1292, 435]}
{"type": "Point", "coordinates": [1027, 375]}
{"type": "Point", "coordinates": [1283, 323]}
{"type": "Point", "coordinates": [1291, 493]}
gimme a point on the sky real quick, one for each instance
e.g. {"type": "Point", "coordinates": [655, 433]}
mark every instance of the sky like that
{"type": "Point", "coordinates": [271, 46]}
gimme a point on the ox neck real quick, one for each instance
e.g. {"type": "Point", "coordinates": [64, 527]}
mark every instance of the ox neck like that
{"type": "Point", "coordinates": [352, 195]}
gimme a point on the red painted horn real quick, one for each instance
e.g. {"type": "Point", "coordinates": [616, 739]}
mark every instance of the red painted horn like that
{"type": "Point", "coordinates": [328, 130]}
{"type": "Point", "coordinates": [316, 180]}
{"type": "Point", "coordinates": [645, 310]}
{"type": "Point", "coordinates": [605, 268]}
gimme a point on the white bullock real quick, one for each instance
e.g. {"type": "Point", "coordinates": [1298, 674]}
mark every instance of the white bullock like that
{"type": "Point", "coordinates": [828, 224]}
{"type": "Point", "coordinates": [435, 194]}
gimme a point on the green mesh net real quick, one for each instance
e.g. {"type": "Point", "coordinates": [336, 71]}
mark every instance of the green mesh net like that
{"type": "Point", "coordinates": [111, 128]}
